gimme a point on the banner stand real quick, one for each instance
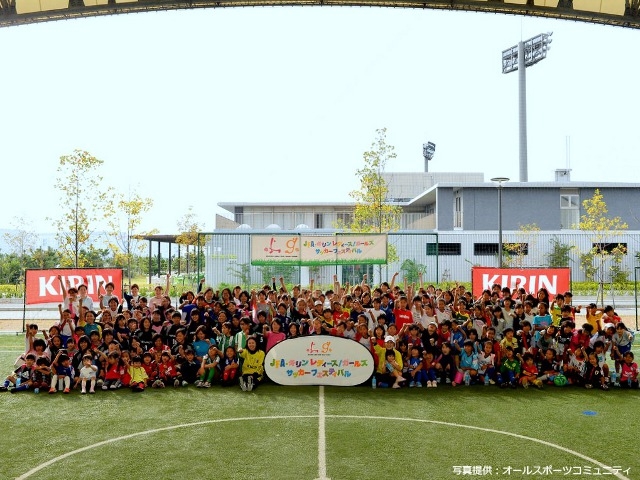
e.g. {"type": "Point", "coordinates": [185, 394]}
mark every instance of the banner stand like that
{"type": "Point", "coordinates": [24, 306]}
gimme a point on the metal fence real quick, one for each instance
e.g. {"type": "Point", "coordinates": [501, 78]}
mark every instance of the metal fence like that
{"type": "Point", "coordinates": [444, 256]}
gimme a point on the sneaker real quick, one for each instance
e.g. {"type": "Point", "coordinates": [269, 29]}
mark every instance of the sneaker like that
{"type": "Point", "coordinates": [419, 384]}
{"type": "Point", "coordinates": [13, 390]}
{"type": "Point", "coordinates": [118, 384]}
{"type": "Point", "coordinates": [434, 384]}
{"type": "Point", "coordinates": [199, 384]}
{"type": "Point", "coordinates": [52, 390]}
{"type": "Point", "coordinates": [492, 381]}
{"type": "Point", "coordinates": [429, 384]}
{"type": "Point", "coordinates": [105, 387]}
{"type": "Point", "coordinates": [588, 385]}
{"type": "Point", "coordinates": [412, 384]}
{"type": "Point", "coordinates": [83, 392]}
{"type": "Point", "coordinates": [113, 386]}
{"type": "Point", "coordinates": [3, 388]}
{"type": "Point", "coordinates": [605, 386]}
{"type": "Point", "coordinates": [206, 384]}
{"type": "Point", "coordinates": [176, 383]}
{"type": "Point", "coordinates": [448, 380]}
{"type": "Point", "coordinates": [250, 384]}
{"type": "Point", "coordinates": [36, 390]}
{"type": "Point", "coordinates": [396, 385]}
{"type": "Point", "coordinates": [92, 391]}
{"type": "Point", "coordinates": [243, 384]}
{"type": "Point", "coordinates": [401, 379]}
{"type": "Point", "coordinates": [66, 390]}
{"type": "Point", "coordinates": [185, 383]}
{"type": "Point", "coordinates": [525, 384]}
{"type": "Point", "coordinates": [538, 383]}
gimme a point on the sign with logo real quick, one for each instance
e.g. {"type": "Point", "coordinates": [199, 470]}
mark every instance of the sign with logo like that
{"type": "Point", "coordinates": [319, 360]}
{"type": "Point", "coordinates": [555, 280]}
{"type": "Point", "coordinates": [43, 286]}
{"type": "Point", "coordinates": [314, 250]}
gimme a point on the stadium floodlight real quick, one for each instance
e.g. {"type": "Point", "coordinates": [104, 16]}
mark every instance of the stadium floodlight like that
{"type": "Point", "coordinates": [428, 151]}
{"type": "Point", "coordinates": [519, 57]}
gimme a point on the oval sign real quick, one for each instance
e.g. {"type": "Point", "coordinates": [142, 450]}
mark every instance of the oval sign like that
{"type": "Point", "coordinates": [319, 360]}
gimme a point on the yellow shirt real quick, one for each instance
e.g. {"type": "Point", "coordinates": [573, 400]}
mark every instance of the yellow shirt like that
{"type": "Point", "coordinates": [138, 374]}
{"type": "Point", "coordinates": [253, 362]}
{"type": "Point", "coordinates": [382, 357]}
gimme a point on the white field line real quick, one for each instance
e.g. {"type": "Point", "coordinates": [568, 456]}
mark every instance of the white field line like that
{"type": "Point", "coordinates": [50, 462]}
{"type": "Point", "coordinates": [322, 439]}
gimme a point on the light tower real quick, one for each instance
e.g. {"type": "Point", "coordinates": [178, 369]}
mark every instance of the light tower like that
{"type": "Point", "coordinates": [428, 151]}
{"type": "Point", "coordinates": [518, 57]}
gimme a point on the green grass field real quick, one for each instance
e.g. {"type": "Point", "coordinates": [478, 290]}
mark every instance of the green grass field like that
{"type": "Point", "coordinates": [307, 433]}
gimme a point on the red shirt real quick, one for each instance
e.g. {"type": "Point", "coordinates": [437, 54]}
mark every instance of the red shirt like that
{"type": "Point", "coordinates": [402, 317]}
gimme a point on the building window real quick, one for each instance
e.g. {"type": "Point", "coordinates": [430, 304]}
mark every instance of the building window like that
{"type": "Point", "coordinates": [569, 210]}
{"type": "Point", "coordinates": [457, 211]}
{"type": "Point", "coordinates": [344, 218]}
{"type": "Point", "coordinates": [444, 249]}
{"type": "Point", "coordinates": [318, 220]}
{"type": "Point", "coordinates": [239, 214]}
{"type": "Point", "coordinates": [610, 247]}
{"type": "Point", "coordinates": [485, 249]}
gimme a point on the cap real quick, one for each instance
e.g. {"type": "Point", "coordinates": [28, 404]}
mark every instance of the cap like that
{"type": "Point", "coordinates": [318, 302]}
{"type": "Point", "coordinates": [389, 338]}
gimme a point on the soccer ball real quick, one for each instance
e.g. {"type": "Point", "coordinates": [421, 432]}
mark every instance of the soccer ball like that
{"type": "Point", "coordinates": [560, 380]}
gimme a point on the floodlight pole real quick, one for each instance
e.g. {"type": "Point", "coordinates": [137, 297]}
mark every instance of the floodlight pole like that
{"type": "Point", "coordinates": [519, 57]}
{"type": "Point", "coordinates": [522, 115]}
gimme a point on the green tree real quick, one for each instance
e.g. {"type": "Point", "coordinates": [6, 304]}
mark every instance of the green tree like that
{"type": "Point", "coordinates": [373, 213]}
{"type": "Point", "coordinates": [124, 217]}
{"type": "Point", "coordinates": [412, 270]}
{"type": "Point", "coordinates": [243, 272]}
{"type": "Point", "coordinates": [41, 258]}
{"type": "Point", "coordinates": [605, 255]}
{"type": "Point", "coordinates": [83, 204]}
{"type": "Point", "coordinates": [560, 253]}
{"type": "Point", "coordinates": [189, 228]}
{"type": "Point", "coordinates": [515, 254]}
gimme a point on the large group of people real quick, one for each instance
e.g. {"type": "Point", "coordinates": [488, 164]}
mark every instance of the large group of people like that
{"type": "Point", "coordinates": [419, 335]}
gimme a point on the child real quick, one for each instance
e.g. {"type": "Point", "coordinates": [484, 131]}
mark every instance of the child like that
{"type": "Point", "coordinates": [487, 363]}
{"type": "Point", "coordinates": [150, 367]}
{"type": "Point", "coordinates": [445, 363]}
{"type": "Point", "coordinates": [468, 363]}
{"type": "Point", "coordinates": [208, 367]}
{"type": "Point", "coordinates": [416, 374]}
{"type": "Point", "coordinates": [88, 373]}
{"type": "Point", "coordinates": [230, 366]}
{"type": "Point", "coordinates": [41, 375]}
{"type": "Point", "coordinates": [252, 365]}
{"type": "Point", "coordinates": [529, 371]}
{"type": "Point", "coordinates": [429, 369]}
{"type": "Point", "coordinates": [549, 366]}
{"type": "Point", "coordinates": [620, 344]}
{"type": "Point", "coordinates": [21, 377]}
{"type": "Point", "coordinates": [510, 369]}
{"type": "Point", "coordinates": [202, 343]}
{"type": "Point", "coordinates": [114, 371]}
{"type": "Point", "coordinates": [575, 369]}
{"type": "Point", "coordinates": [167, 372]}
{"type": "Point", "coordinates": [137, 373]}
{"type": "Point", "coordinates": [393, 368]}
{"type": "Point", "coordinates": [274, 336]}
{"type": "Point", "coordinates": [61, 365]}
{"type": "Point", "coordinates": [594, 374]}
{"type": "Point", "coordinates": [189, 368]}
{"type": "Point", "coordinates": [629, 372]}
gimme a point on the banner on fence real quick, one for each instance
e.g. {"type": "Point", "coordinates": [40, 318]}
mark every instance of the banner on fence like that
{"type": "Point", "coordinates": [311, 250]}
{"type": "Point", "coordinates": [319, 360]}
{"type": "Point", "coordinates": [43, 286]}
{"type": "Point", "coordinates": [555, 280]}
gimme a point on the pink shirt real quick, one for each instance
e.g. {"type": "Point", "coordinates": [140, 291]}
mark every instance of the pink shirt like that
{"type": "Point", "coordinates": [274, 338]}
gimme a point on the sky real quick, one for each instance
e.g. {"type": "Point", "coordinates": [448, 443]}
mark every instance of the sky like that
{"type": "Point", "coordinates": [193, 108]}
